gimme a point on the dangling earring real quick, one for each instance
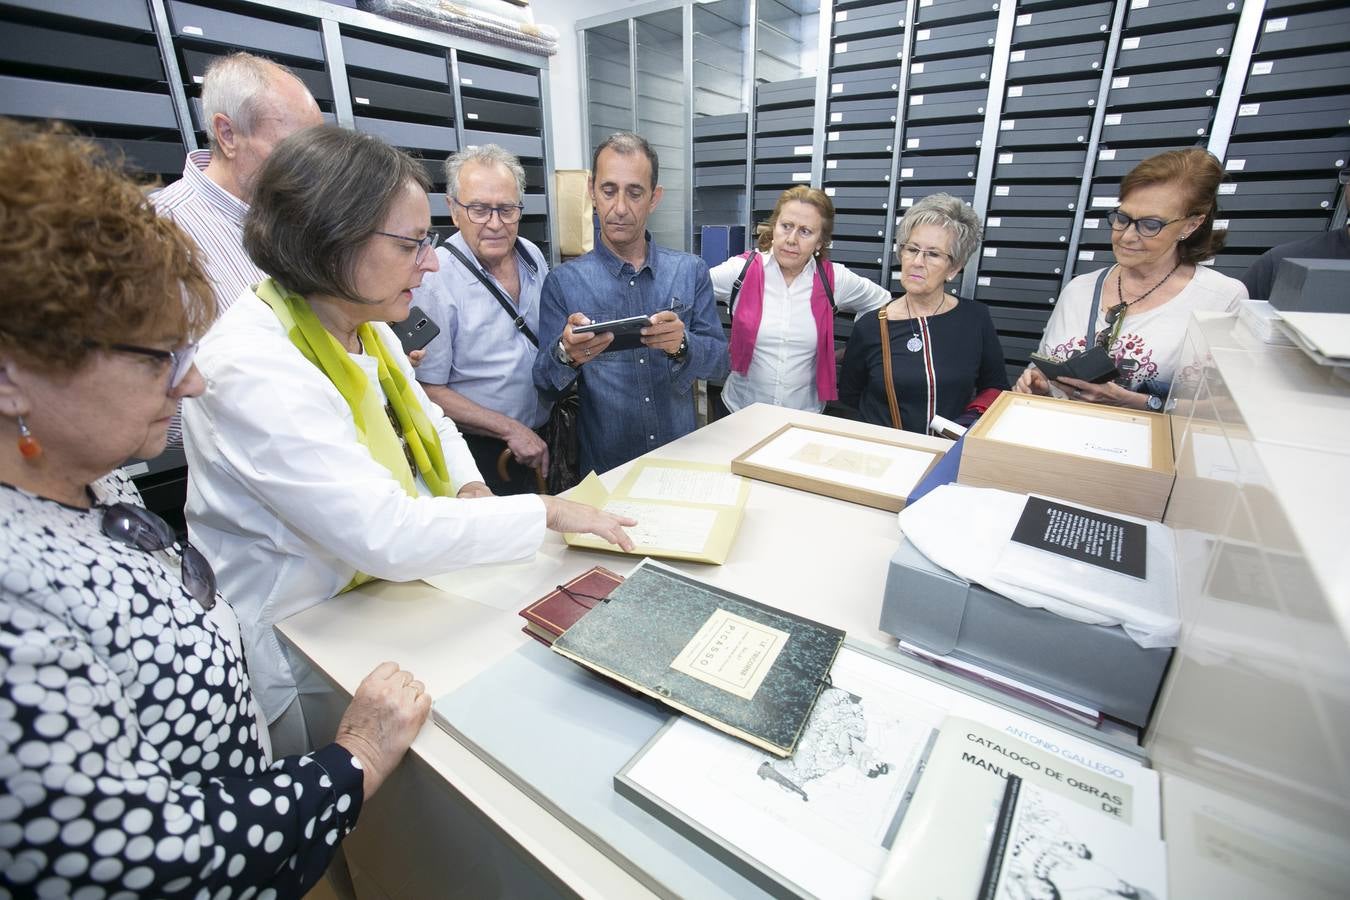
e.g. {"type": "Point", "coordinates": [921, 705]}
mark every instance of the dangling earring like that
{"type": "Point", "coordinates": [29, 447]}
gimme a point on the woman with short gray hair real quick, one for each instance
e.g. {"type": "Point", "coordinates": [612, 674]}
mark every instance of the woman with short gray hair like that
{"type": "Point", "coordinates": [316, 461]}
{"type": "Point", "coordinates": [928, 356]}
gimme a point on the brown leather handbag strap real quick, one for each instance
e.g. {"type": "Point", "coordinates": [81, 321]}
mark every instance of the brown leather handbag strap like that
{"type": "Point", "coordinates": [886, 369]}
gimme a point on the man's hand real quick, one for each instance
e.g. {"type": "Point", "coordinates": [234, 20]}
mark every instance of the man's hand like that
{"type": "Point", "coordinates": [582, 348]}
{"type": "Point", "coordinates": [528, 448]}
{"type": "Point", "coordinates": [415, 358]}
{"type": "Point", "coordinates": [666, 332]}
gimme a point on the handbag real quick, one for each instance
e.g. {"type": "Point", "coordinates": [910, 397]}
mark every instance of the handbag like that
{"type": "Point", "coordinates": [561, 430]}
{"type": "Point", "coordinates": [886, 369]}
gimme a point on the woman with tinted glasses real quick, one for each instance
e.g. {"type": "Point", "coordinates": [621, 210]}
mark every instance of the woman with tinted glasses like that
{"type": "Point", "coordinates": [782, 298]}
{"type": "Point", "coordinates": [316, 461]}
{"type": "Point", "coordinates": [1160, 232]}
{"type": "Point", "coordinates": [131, 752]}
{"type": "Point", "coordinates": [939, 353]}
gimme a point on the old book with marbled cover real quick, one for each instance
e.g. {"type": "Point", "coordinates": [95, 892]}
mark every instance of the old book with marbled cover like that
{"type": "Point", "coordinates": [740, 666]}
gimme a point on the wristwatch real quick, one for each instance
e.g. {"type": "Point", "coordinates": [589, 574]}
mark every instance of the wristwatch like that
{"type": "Point", "coordinates": [681, 350]}
{"type": "Point", "coordinates": [561, 355]}
{"type": "Point", "coordinates": [1154, 403]}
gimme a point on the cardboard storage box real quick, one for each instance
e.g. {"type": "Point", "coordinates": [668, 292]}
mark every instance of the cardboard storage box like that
{"type": "Point", "coordinates": [1098, 666]}
{"type": "Point", "coordinates": [1067, 449]}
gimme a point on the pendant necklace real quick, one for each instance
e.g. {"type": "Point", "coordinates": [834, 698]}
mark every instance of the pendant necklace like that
{"type": "Point", "coordinates": [915, 343]}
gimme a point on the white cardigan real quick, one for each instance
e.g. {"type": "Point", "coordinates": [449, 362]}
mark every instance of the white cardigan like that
{"type": "Point", "coordinates": [288, 505]}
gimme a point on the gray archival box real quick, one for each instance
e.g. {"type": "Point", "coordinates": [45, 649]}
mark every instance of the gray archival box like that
{"type": "Point", "coordinates": [1099, 666]}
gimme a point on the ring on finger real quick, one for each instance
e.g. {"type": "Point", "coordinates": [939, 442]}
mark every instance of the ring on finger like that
{"type": "Point", "coordinates": [588, 353]}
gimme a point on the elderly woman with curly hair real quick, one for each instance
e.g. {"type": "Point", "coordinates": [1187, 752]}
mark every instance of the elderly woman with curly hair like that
{"type": "Point", "coordinates": [927, 353]}
{"type": "Point", "coordinates": [132, 755]}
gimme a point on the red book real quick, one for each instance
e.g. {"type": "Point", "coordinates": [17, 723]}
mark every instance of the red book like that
{"type": "Point", "coordinates": [558, 610]}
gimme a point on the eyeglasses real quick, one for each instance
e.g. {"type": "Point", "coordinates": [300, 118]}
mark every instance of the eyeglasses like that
{"type": "Point", "coordinates": [930, 257]}
{"type": "Point", "coordinates": [1148, 226]}
{"type": "Point", "coordinates": [481, 213]}
{"type": "Point", "coordinates": [137, 527]}
{"type": "Point", "coordinates": [424, 243]}
{"type": "Point", "coordinates": [180, 360]}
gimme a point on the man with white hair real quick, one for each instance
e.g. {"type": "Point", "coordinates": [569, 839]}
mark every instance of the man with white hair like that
{"type": "Point", "coordinates": [485, 299]}
{"type": "Point", "coordinates": [249, 105]}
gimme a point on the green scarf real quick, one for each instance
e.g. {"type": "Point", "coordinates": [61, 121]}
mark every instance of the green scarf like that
{"type": "Point", "coordinates": [373, 428]}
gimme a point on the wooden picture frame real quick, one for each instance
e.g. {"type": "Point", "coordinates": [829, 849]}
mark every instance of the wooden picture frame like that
{"type": "Point", "coordinates": [1140, 487]}
{"type": "Point", "coordinates": [861, 487]}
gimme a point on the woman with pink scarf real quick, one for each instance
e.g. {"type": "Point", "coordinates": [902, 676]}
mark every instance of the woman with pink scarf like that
{"type": "Point", "coordinates": [783, 297]}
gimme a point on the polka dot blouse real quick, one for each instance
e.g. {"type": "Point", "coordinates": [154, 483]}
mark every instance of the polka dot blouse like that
{"type": "Point", "coordinates": [130, 760]}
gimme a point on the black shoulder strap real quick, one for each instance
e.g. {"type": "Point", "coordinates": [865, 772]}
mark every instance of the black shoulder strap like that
{"type": "Point", "coordinates": [507, 306]}
{"type": "Point", "coordinates": [825, 283]}
{"type": "Point", "coordinates": [1096, 302]}
{"type": "Point", "coordinates": [736, 285]}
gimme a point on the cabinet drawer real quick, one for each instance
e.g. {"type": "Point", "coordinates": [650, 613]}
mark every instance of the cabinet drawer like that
{"type": "Point", "coordinates": [475, 78]}
{"type": "Point", "coordinates": [201, 23]}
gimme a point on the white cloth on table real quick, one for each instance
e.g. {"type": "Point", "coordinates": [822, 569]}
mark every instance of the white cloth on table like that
{"type": "Point", "coordinates": [288, 505]}
{"type": "Point", "coordinates": [968, 531]}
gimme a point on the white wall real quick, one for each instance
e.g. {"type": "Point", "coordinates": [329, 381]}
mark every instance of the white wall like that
{"type": "Point", "coordinates": [565, 112]}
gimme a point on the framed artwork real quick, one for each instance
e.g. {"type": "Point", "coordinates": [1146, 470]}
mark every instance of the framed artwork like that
{"type": "Point", "coordinates": [878, 472]}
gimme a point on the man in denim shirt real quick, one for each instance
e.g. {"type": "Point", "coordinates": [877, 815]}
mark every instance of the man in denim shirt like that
{"type": "Point", "coordinates": [632, 400]}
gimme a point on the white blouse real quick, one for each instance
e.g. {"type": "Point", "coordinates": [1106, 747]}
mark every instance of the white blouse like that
{"type": "Point", "coordinates": [783, 369]}
{"type": "Point", "coordinates": [288, 505]}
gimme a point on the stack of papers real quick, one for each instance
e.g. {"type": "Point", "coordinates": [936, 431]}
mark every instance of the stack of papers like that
{"type": "Point", "coordinates": [1323, 336]}
{"type": "Point", "coordinates": [1262, 320]}
{"type": "Point", "coordinates": [684, 510]}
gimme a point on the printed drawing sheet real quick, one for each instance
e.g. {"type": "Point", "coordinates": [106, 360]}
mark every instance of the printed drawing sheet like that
{"type": "Point", "coordinates": [870, 465]}
{"type": "Point", "coordinates": [823, 817]}
{"type": "Point", "coordinates": [824, 820]}
{"type": "Point", "coordinates": [1123, 440]}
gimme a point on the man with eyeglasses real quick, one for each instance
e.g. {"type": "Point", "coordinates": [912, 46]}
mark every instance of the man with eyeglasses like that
{"type": "Point", "coordinates": [637, 398]}
{"type": "Point", "coordinates": [1335, 244]}
{"type": "Point", "coordinates": [485, 299]}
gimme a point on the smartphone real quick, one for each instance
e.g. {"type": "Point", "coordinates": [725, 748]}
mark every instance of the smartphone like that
{"type": "Point", "coordinates": [416, 331]}
{"type": "Point", "coordinates": [627, 332]}
{"type": "Point", "coordinates": [630, 325]}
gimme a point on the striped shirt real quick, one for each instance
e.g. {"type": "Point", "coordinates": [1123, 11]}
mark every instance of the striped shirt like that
{"type": "Point", "coordinates": [214, 218]}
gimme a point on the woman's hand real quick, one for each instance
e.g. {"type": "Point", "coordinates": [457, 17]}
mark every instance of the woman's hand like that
{"type": "Point", "coordinates": [382, 720]}
{"type": "Point", "coordinates": [474, 489]}
{"type": "Point", "coordinates": [1032, 381]}
{"type": "Point", "coordinates": [565, 515]}
{"type": "Point", "coordinates": [1110, 394]}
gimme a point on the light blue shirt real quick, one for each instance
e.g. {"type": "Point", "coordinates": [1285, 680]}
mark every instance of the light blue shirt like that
{"type": "Point", "coordinates": [480, 353]}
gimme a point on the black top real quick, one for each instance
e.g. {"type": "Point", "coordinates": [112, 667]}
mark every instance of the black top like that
{"type": "Point", "coordinates": [960, 357]}
{"type": "Point", "coordinates": [129, 747]}
{"type": "Point", "coordinates": [1260, 278]}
